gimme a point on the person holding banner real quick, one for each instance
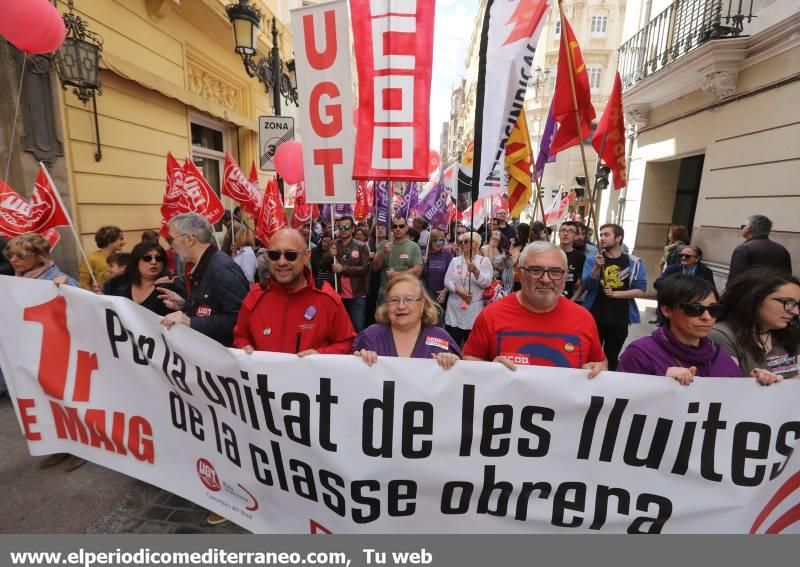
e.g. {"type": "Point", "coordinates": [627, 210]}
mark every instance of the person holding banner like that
{"type": "Point", "coordinates": [217, 284]}
{"type": "Point", "coordinates": [406, 327]}
{"type": "Point", "coordinates": [759, 325]}
{"type": "Point", "coordinates": [537, 325]}
{"type": "Point", "coordinates": [290, 314]}
{"type": "Point", "coordinates": [108, 239]}
{"type": "Point", "coordinates": [147, 265]}
{"type": "Point", "coordinates": [29, 256]}
{"type": "Point", "coordinates": [680, 348]}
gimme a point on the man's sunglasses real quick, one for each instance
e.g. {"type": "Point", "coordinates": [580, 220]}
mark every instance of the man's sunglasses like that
{"type": "Point", "coordinates": [152, 257]}
{"type": "Point", "coordinates": [290, 255]}
{"type": "Point", "coordinates": [697, 309]}
{"type": "Point", "coordinates": [687, 256]}
{"type": "Point", "coordinates": [345, 226]}
{"type": "Point", "coordinates": [398, 226]}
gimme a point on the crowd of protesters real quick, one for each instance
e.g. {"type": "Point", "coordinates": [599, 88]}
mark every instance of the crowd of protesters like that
{"type": "Point", "coordinates": [504, 293]}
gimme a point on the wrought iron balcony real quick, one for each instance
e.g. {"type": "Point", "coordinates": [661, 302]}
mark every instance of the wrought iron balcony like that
{"type": "Point", "coordinates": [685, 25]}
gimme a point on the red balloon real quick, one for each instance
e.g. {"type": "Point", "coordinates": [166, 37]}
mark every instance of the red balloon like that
{"type": "Point", "coordinates": [289, 161]}
{"type": "Point", "coordinates": [32, 26]}
{"type": "Point", "coordinates": [434, 160]}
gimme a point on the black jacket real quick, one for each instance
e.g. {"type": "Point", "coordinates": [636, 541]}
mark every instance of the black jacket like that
{"type": "Point", "coordinates": [701, 271]}
{"type": "Point", "coordinates": [759, 251]}
{"type": "Point", "coordinates": [5, 265]}
{"type": "Point", "coordinates": [218, 287]}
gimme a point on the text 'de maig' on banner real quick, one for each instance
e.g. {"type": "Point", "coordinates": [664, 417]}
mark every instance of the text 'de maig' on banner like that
{"type": "Point", "coordinates": [325, 89]}
{"type": "Point", "coordinates": [283, 445]}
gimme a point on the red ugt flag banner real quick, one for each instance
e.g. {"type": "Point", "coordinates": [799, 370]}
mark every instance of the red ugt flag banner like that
{"type": "Point", "coordinates": [44, 212]}
{"type": "Point", "coordinates": [240, 189]}
{"type": "Point", "coordinates": [174, 201]}
{"type": "Point", "coordinates": [563, 108]}
{"type": "Point", "coordinates": [271, 217]}
{"type": "Point", "coordinates": [609, 138]}
{"type": "Point", "coordinates": [393, 43]}
{"type": "Point", "coordinates": [199, 194]}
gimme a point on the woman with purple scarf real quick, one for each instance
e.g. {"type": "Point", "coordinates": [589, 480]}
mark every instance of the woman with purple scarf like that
{"type": "Point", "coordinates": [680, 347]}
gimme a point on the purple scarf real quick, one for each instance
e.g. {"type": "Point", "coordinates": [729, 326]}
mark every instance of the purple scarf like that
{"type": "Point", "coordinates": [702, 356]}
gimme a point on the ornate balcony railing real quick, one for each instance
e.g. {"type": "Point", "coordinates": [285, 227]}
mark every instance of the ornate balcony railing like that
{"type": "Point", "coordinates": [685, 25]}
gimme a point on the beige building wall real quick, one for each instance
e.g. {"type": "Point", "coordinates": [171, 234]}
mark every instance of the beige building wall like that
{"type": "Point", "coordinates": [748, 132]}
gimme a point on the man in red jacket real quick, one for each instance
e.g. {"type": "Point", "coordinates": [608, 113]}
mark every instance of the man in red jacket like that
{"type": "Point", "coordinates": [290, 314]}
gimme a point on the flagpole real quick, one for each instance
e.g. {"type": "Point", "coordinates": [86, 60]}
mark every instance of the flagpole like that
{"type": "Point", "coordinates": [577, 115]}
{"type": "Point", "coordinates": [538, 203]}
{"type": "Point", "coordinates": [596, 171]}
{"type": "Point", "coordinates": [333, 222]}
{"type": "Point", "coordinates": [72, 226]}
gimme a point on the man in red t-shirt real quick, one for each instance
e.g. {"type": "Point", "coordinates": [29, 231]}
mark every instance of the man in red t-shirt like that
{"type": "Point", "coordinates": [537, 326]}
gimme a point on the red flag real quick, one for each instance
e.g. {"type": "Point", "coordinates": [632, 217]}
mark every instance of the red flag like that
{"type": "Point", "coordinates": [303, 211]}
{"type": "Point", "coordinates": [241, 190]}
{"type": "Point", "coordinates": [44, 212]}
{"type": "Point", "coordinates": [174, 201]}
{"type": "Point", "coordinates": [253, 178]}
{"type": "Point", "coordinates": [52, 237]}
{"type": "Point", "coordinates": [563, 109]}
{"type": "Point", "coordinates": [362, 208]}
{"type": "Point", "coordinates": [200, 196]}
{"type": "Point", "coordinates": [271, 217]}
{"type": "Point", "coordinates": [612, 127]}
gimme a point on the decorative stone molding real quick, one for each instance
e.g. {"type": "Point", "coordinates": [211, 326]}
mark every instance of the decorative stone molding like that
{"type": "Point", "coordinates": [158, 9]}
{"type": "Point", "coordinates": [638, 114]}
{"type": "Point", "coordinates": [212, 87]}
{"type": "Point", "coordinates": [720, 84]}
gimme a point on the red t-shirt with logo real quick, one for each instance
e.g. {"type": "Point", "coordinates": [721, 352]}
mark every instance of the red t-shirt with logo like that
{"type": "Point", "coordinates": [565, 337]}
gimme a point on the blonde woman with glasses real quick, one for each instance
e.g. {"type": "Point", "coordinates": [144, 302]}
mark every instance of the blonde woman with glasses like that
{"type": "Point", "coordinates": [406, 327]}
{"type": "Point", "coordinates": [466, 278]}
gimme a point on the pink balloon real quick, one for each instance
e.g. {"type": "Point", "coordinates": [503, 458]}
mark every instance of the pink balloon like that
{"type": "Point", "coordinates": [32, 26]}
{"type": "Point", "coordinates": [434, 160]}
{"type": "Point", "coordinates": [289, 161]}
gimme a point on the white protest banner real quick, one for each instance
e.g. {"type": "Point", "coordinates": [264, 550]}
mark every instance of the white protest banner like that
{"type": "Point", "coordinates": [281, 444]}
{"type": "Point", "coordinates": [324, 87]}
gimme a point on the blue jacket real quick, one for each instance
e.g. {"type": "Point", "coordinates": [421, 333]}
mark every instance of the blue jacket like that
{"type": "Point", "coordinates": [592, 285]}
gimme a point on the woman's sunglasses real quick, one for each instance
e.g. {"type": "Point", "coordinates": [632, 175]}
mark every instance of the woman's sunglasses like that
{"type": "Point", "coordinates": [152, 258]}
{"type": "Point", "coordinates": [697, 309]}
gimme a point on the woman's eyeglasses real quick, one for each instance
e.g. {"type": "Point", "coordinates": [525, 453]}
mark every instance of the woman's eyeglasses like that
{"type": "Point", "coordinates": [789, 305]}
{"type": "Point", "coordinates": [21, 255]}
{"type": "Point", "coordinates": [395, 301]}
{"type": "Point", "coordinates": [290, 255]}
{"type": "Point", "coordinates": [697, 309]}
{"type": "Point", "coordinates": [152, 258]}
{"type": "Point", "coordinates": [439, 241]}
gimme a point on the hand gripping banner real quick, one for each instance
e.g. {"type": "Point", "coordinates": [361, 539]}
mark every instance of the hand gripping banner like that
{"type": "Point", "coordinates": [393, 43]}
{"type": "Point", "coordinates": [279, 444]}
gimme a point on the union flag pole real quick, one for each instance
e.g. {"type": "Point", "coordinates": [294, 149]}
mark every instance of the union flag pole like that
{"type": "Point", "coordinates": [571, 74]}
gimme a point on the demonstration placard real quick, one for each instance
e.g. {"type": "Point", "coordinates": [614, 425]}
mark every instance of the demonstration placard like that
{"type": "Point", "coordinates": [325, 444]}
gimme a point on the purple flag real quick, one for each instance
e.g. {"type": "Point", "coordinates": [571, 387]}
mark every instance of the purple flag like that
{"type": "Point", "coordinates": [409, 202]}
{"type": "Point", "coordinates": [381, 202]}
{"type": "Point", "coordinates": [544, 146]}
{"type": "Point", "coordinates": [339, 209]}
{"type": "Point", "coordinates": [433, 206]}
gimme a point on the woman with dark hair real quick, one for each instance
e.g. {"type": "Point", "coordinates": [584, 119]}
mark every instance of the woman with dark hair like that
{"type": "Point", "coordinates": [680, 347]}
{"type": "Point", "coordinates": [138, 283]}
{"type": "Point", "coordinates": [690, 263]}
{"type": "Point", "coordinates": [677, 238]}
{"type": "Point", "coordinates": [759, 326]}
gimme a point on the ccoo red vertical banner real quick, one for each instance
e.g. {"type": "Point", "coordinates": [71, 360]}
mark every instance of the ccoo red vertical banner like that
{"type": "Point", "coordinates": [393, 41]}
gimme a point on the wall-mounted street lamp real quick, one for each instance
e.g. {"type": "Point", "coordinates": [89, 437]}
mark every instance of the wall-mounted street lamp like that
{"type": "Point", "coordinates": [269, 70]}
{"type": "Point", "coordinates": [78, 64]}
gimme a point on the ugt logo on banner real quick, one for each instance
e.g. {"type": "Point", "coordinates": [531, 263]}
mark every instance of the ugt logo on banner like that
{"type": "Point", "coordinates": [322, 61]}
{"type": "Point", "coordinates": [394, 50]}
